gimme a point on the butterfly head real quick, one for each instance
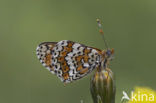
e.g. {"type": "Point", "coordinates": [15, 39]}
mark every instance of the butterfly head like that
{"type": "Point", "coordinates": [109, 54]}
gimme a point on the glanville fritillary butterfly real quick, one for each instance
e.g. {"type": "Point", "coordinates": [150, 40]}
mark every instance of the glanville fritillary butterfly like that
{"type": "Point", "coordinates": [71, 61]}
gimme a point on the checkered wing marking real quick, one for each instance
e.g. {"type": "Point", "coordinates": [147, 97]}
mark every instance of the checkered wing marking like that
{"type": "Point", "coordinates": [68, 60]}
{"type": "Point", "coordinates": [44, 54]}
{"type": "Point", "coordinates": [72, 61]}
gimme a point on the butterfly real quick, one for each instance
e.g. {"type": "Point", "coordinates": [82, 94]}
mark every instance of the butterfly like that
{"type": "Point", "coordinates": [71, 61]}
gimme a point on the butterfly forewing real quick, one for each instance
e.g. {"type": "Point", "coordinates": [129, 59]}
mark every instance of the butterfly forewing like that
{"type": "Point", "coordinates": [68, 60]}
{"type": "Point", "coordinates": [44, 54]}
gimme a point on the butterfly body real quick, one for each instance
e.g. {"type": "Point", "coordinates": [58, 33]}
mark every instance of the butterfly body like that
{"type": "Point", "coordinates": [70, 60]}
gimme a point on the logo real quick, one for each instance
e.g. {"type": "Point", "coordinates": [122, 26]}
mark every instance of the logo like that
{"type": "Point", "coordinates": [125, 96]}
{"type": "Point", "coordinates": [139, 95]}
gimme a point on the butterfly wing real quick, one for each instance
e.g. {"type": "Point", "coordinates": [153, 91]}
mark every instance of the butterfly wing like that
{"type": "Point", "coordinates": [44, 54]}
{"type": "Point", "coordinates": [69, 60]}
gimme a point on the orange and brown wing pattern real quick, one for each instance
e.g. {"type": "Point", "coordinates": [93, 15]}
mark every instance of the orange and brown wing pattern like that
{"type": "Point", "coordinates": [71, 61]}
{"type": "Point", "coordinates": [44, 54]}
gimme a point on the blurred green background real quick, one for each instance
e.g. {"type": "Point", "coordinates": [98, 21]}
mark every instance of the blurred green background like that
{"type": "Point", "coordinates": [129, 26]}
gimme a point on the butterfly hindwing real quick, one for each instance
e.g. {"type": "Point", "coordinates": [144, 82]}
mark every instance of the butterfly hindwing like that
{"type": "Point", "coordinates": [69, 60]}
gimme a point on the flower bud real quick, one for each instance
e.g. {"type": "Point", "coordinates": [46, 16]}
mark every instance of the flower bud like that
{"type": "Point", "coordinates": [102, 86]}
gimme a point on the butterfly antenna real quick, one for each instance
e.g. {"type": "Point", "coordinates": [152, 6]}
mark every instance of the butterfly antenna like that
{"type": "Point", "coordinates": [101, 32]}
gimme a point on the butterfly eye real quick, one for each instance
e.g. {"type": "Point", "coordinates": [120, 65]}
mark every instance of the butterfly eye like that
{"type": "Point", "coordinates": [108, 53]}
